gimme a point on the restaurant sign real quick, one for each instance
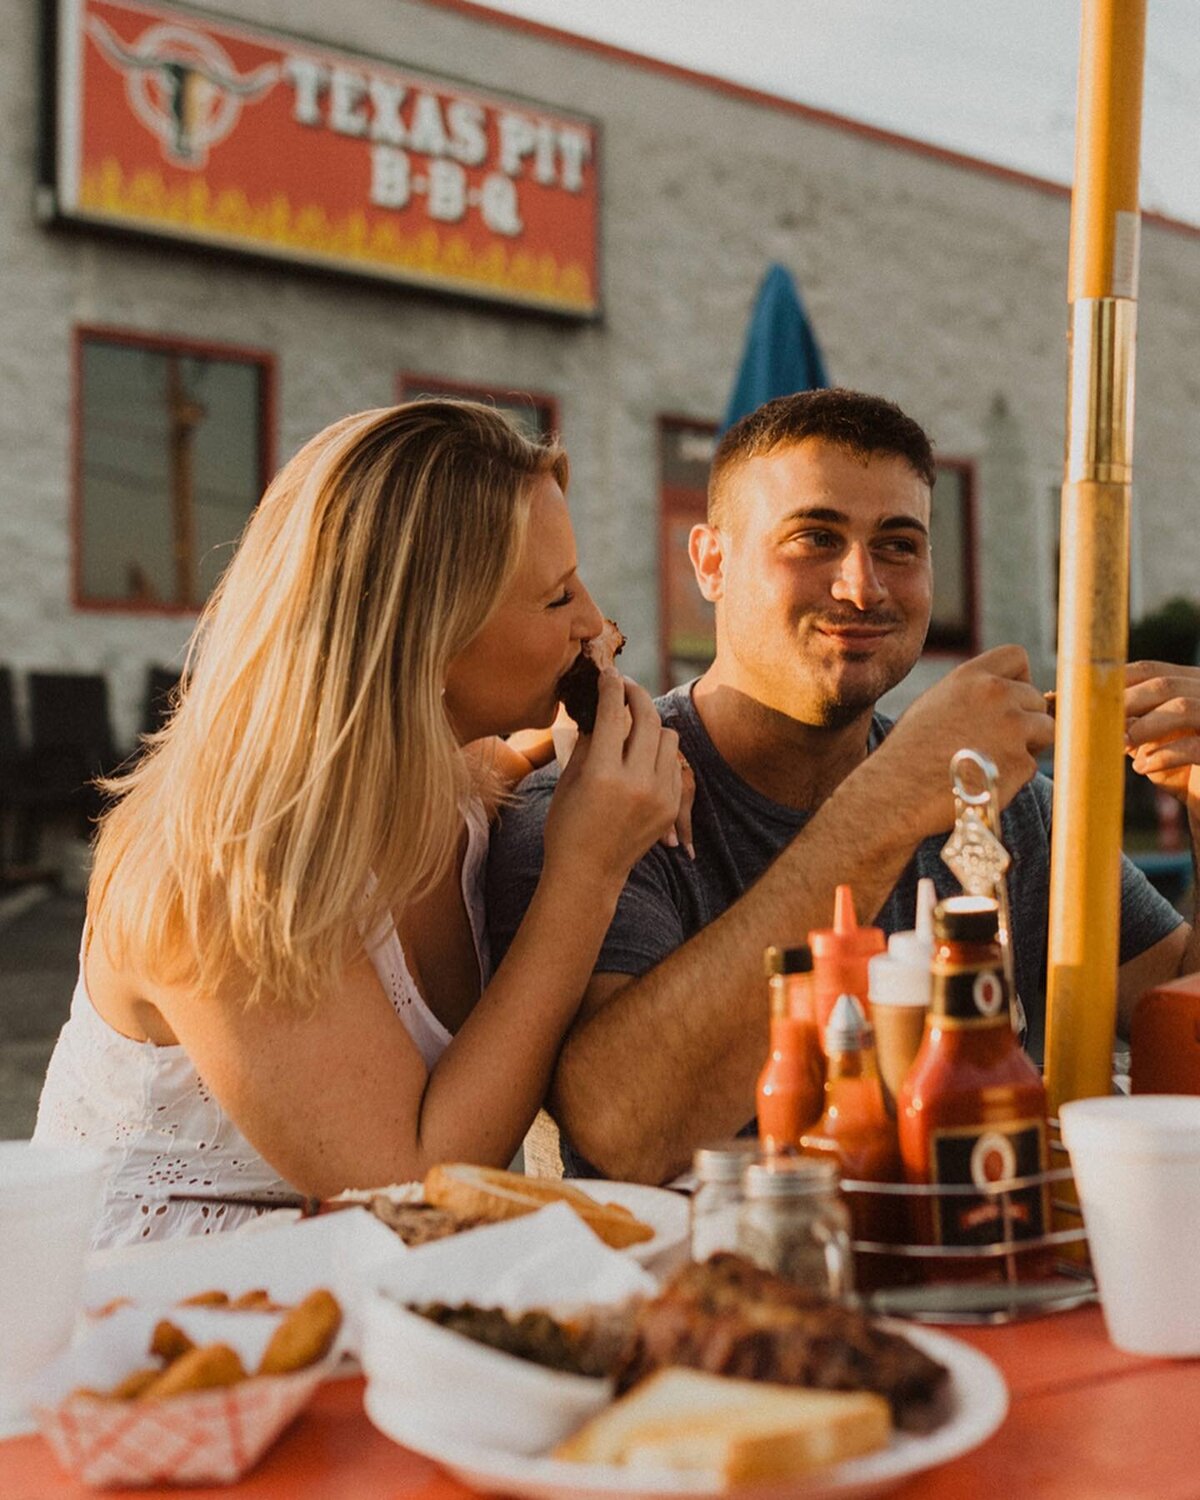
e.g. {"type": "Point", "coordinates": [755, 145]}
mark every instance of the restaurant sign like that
{"type": "Point", "coordinates": [173, 122]}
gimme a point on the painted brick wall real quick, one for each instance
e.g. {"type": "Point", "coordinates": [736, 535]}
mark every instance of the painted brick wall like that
{"type": "Point", "coordinates": [940, 286]}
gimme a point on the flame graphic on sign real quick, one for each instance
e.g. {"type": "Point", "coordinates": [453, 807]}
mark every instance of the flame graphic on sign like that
{"type": "Point", "coordinates": [183, 86]}
{"type": "Point", "coordinates": [144, 198]}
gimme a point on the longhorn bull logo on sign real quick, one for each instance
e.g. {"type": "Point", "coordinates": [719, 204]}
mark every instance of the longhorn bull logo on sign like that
{"type": "Point", "coordinates": [183, 86]}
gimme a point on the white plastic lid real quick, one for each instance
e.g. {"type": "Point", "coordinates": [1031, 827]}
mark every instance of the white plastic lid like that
{"type": "Point", "coordinates": [1150, 1126]}
{"type": "Point", "coordinates": [910, 948]}
{"type": "Point", "coordinates": [893, 981]}
{"type": "Point", "coordinates": [27, 1167]}
{"type": "Point", "coordinates": [916, 945]}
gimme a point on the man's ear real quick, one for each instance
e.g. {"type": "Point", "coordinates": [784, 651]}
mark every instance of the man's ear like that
{"type": "Point", "coordinates": [706, 550]}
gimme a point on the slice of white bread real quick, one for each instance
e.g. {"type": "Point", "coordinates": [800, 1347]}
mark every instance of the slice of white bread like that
{"type": "Point", "coordinates": [490, 1194]}
{"type": "Point", "coordinates": [742, 1431]}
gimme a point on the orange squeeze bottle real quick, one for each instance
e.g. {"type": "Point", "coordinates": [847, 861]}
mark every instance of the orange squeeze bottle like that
{"type": "Point", "coordinates": [840, 957]}
{"type": "Point", "coordinates": [855, 1129]}
{"type": "Point", "coordinates": [790, 1085]}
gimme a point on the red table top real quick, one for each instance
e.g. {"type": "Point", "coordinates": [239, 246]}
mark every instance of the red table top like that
{"type": "Point", "coordinates": [1086, 1422]}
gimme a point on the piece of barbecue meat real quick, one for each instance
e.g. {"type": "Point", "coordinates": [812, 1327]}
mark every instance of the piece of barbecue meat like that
{"type": "Point", "coordinates": [533, 1335]}
{"type": "Point", "coordinates": [579, 686]}
{"type": "Point", "coordinates": [728, 1317]}
{"type": "Point", "coordinates": [417, 1223]}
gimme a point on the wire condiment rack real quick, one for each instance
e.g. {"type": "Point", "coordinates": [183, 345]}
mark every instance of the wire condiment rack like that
{"type": "Point", "coordinates": [1007, 1294]}
{"type": "Point", "coordinates": [977, 856]}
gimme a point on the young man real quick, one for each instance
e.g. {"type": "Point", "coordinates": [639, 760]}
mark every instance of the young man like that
{"type": "Point", "coordinates": [816, 556]}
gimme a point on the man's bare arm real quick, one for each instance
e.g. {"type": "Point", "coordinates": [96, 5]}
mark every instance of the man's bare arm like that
{"type": "Point", "coordinates": [656, 1064]}
{"type": "Point", "coordinates": [1162, 716]}
{"type": "Point", "coordinates": [1177, 953]}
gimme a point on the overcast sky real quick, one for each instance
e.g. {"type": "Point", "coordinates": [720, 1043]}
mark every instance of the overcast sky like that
{"type": "Point", "coordinates": [994, 78]}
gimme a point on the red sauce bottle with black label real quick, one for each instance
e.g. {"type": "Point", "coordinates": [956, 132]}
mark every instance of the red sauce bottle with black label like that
{"type": "Point", "coordinates": [972, 1109]}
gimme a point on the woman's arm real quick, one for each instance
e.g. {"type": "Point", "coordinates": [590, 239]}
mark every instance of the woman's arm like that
{"type": "Point", "coordinates": [507, 760]}
{"type": "Point", "coordinates": [341, 1098]}
{"type": "Point", "coordinates": [512, 759]}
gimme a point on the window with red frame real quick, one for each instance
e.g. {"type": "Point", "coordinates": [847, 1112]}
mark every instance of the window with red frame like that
{"type": "Point", "coordinates": [172, 456]}
{"type": "Point", "coordinates": [952, 625]}
{"type": "Point", "coordinates": [687, 638]}
{"type": "Point", "coordinates": [536, 415]}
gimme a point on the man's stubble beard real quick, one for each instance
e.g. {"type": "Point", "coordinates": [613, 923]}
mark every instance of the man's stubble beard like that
{"type": "Point", "coordinates": [842, 706]}
{"type": "Point", "coordinates": [808, 702]}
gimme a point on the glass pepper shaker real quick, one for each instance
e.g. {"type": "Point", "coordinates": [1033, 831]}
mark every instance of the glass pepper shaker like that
{"type": "Point", "coordinates": [791, 1221]}
{"type": "Point", "coordinates": [718, 1195]}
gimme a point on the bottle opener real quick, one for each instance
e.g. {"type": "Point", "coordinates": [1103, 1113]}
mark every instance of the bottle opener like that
{"type": "Point", "coordinates": [975, 851]}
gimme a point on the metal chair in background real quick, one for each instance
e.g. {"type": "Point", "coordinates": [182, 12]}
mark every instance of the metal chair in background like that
{"type": "Point", "coordinates": [71, 741]}
{"type": "Point", "coordinates": [18, 799]}
{"type": "Point", "coordinates": [31, 795]}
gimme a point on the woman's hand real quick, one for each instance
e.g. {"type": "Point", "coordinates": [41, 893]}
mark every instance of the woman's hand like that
{"type": "Point", "coordinates": [529, 749]}
{"type": "Point", "coordinates": [621, 790]}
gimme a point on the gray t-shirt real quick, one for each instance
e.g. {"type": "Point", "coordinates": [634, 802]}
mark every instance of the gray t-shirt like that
{"type": "Point", "coordinates": [738, 832]}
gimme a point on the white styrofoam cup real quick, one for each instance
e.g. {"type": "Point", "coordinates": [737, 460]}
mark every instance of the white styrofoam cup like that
{"type": "Point", "coordinates": [49, 1196]}
{"type": "Point", "coordinates": [1136, 1162]}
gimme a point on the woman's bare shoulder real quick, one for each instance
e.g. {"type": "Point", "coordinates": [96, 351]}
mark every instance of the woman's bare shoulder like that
{"type": "Point", "coordinates": [120, 994]}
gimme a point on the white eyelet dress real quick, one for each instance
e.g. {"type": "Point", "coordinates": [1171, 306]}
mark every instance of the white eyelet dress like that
{"type": "Point", "coordinates": [165, 1130]}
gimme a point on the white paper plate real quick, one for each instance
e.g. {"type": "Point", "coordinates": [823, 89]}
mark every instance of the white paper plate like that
{"type": "Point", "coordinates": [978, 1401]}
{"type": "Point", "coordinates": [665, 1212]}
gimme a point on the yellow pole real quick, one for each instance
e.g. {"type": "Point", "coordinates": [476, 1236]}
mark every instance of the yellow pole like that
{"type": "Point", "coordinates": [1081, 997]}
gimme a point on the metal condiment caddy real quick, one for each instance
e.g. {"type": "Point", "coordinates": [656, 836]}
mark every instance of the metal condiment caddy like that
{"type": "Point", "coordinates": [1002, 1300]}
{"type": "Point", "coordinates": [998, 1281]}
{"type": "Point", "coordinates": [975, 853]}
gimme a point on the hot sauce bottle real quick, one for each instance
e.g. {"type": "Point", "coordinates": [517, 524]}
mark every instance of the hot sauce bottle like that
{"type": "Point", "coordinates": [972, 1109]}
{"type": "Point", "coordinates": [854, 1128]}
{"type": "Point", "coordinates": [840, 956]}
{"type": "Point", "coordinates": [790, 1085]}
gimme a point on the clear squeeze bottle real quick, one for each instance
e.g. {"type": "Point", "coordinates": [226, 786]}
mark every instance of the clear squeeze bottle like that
{"type": "Point", "coordinates": [899, 995]}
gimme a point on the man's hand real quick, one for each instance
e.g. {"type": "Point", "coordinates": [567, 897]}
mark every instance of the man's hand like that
{"type": "Point", "coordinates": [988, 704]}
{"type": "Point", "coordinates": [1162, 728]}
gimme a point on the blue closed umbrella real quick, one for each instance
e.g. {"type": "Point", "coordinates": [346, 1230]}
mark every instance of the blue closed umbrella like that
{"type": "Point", "coordinates": [781, 354]}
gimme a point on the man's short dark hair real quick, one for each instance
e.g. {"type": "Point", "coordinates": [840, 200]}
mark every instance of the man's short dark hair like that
{"type": "Point", "coordinates": [859, 423]}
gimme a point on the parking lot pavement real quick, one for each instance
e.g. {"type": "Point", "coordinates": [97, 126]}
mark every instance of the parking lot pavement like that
{"type": "Point", "coordinates": [39, 961]}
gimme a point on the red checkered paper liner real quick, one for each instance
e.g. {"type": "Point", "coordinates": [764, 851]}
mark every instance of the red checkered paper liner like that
{"type": "Point", "coordinates": [201, 1437]}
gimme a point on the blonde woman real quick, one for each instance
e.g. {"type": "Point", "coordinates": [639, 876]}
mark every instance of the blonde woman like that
{"type": "Point", "coordinates": [284, 978]}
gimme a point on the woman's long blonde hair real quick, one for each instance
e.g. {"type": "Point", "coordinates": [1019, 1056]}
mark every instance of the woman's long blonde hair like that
{"type": "Point", "coordinates": [311, 749]}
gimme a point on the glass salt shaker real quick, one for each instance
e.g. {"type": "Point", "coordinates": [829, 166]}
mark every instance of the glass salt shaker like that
{"type": "Point", "coordinates": [718, 1195]}
{"type": "Point", "coordinates": [791, 1221]}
